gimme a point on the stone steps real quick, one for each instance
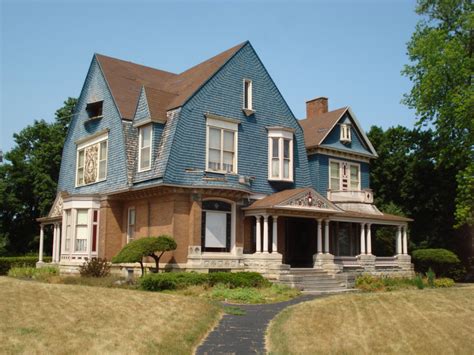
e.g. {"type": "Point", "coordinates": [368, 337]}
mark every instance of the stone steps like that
{"type": "Point", "coordinates": [314, 280]}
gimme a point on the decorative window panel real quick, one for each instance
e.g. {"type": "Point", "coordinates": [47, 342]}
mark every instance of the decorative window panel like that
{"type": "Point", "coordinates": [91, 162]}
{"type": "Point", "coordinates": [344, 176]}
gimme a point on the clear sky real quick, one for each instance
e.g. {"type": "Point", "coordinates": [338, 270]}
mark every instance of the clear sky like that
{"type": "Point", "coordinates": [349, 51]}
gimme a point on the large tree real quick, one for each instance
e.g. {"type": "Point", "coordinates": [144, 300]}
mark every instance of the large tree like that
{"type": "Point", "coordinates": [28, 179]}
{"type": "Point", "coordinates": [441, 69]}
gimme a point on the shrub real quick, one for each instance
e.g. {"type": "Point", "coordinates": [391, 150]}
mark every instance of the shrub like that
{"type": "Point", "coordinates": [135, 251]}
{"type": "Point", "coordinates": [443, 262]}
{"type": "Point", "coordinates": [172, 280]}
{"type": "Point", "coordinates": [95, 267]}
{"type": "Point", "coordinates": [33, 273]}
{"type": "Point", "coordinates": [369, 283]}
{"type": "Point", "coordinates": [418, 282]}
{"type": "Point", "coordinates": [238, 279]}
{"type": "Point", "coordinates": [6, 263]}
{"type": "Point", "coordinates": [443, 282]}
{"type": "Point", "coordinates": [430, 276]}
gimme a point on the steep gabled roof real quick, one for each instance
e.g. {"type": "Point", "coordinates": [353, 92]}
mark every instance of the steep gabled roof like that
{"type": "Point", "coordinates": [315, 130]}
{"type": "Point", "coordinates": [166, 90]}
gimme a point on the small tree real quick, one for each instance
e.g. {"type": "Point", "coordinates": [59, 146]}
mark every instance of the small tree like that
{"type": "Point", "coordinates": [135, 251]}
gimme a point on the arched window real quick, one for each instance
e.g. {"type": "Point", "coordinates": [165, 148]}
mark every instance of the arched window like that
{"type": "Point", "coordinates": [216, 226]}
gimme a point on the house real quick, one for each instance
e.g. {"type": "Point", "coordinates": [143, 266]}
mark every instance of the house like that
{"type": "Point", "coordinates": [214, 157]}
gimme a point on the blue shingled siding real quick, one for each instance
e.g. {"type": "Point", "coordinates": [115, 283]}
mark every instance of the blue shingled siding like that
{"type": "Point", "coordinates": [319, 168]}
{"type": "Point", "coordinates": [356, 144]}
{"type": "Point", "coordinates": [223, 95]}
{"type": "Point", "coordinates": [95, 89]}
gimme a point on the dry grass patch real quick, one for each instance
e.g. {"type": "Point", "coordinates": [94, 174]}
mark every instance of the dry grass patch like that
{"type": "Point", "coordinates": [70, 319]}
{"type": "Point", "coordinates": [432, 321]}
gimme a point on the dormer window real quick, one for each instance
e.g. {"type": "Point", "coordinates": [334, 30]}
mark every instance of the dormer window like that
{"type": "Point", "coordinates": [345, 133]}
{"type": "Point", "coordinates": [94, 109]}
{"type": "Point", "coordinates": [248, 105]}
{"type": "Point", "coordinates": [280, 154]}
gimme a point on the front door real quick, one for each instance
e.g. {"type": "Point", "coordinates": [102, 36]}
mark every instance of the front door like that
{"type": "Point", "coordinates": [300, 243]}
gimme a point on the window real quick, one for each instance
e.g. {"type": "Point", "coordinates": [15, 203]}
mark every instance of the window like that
{"type": "Point", "coordinates": [216, 226]}
{"type": "Point", "coordinates": [280, 143]}
{"type": "Point", "coordinates": [94, 109]}
{"type": "Point", "coordinates": [95, 229]}
{"type": "Point", "coordinates": [131, 225]}
{"type": "Point", "coordinates": [82, 216]}
{"type": "Point", "coordinates": [144, 154]}
{"type": "Point", "coordinates": [67, 241]}
{"type": "Point", "coordinates": [247, 94]}
{"type": "Point", "coordinates": [92, 161]}
{"type": "Point", "coordinates": [345, 133]}
{"type": "Point", "coordinates": [344, 176]}
{"type": "Point", "coordinates": [221, 146]}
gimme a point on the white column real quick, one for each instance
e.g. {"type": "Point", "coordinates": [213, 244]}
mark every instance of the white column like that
{"type": "Point", "coordinates": [275, 234]}
{"type": "Point", "coordinates": [58, 244]}
{"type": "Point", "coordinates": [399, 240]}
{"type": "Point", "coordinates": [40, 256]}
{"type": "Point", "coordinates": [320, 237]}
{"type": "Point", "coordinates": [55, 240]}
{"type": "Point", "coordinates": [362, 238]}
{"type": "Point", "coordinates": [265, 234]}
{"type": "Point", "coordinates": [258, 237]}
{"type": "Point", "coordinates": [326, 236]}
{"type": "Point", "coordinates": [369, 239]}
{"type": "Point", "coordinates": [405, 240]}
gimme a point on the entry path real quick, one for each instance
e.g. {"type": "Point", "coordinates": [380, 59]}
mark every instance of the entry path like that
{"type": "Point", "coordinates": [245, 334]}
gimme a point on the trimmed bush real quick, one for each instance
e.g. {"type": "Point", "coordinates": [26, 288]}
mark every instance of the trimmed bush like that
{"type": "Point", "coordinates": [443, 282]}
{"type": "Point", "coordinates": [443, 262]}
{"type": "Point", "coordinates": [95, 267]}
{"type": "Point", "coordinates": [238, 279]}
{"type": "Point", "coordinates": [179, 280]}
{"type": "Point", "coordinates": [7, 262]}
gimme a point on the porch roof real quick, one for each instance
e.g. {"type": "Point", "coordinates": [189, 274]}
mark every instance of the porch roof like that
{"type": "Point", "coordinates": [383, 217]}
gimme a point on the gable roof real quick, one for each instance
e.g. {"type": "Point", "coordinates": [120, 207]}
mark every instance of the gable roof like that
{"type": "Point", "coordinates": [165, 90]}
{"type": "Point", "coordinates": [317, 129]}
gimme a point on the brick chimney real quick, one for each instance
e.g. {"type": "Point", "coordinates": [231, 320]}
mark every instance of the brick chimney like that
{"type": "Point", "coordinates": [316, 107]}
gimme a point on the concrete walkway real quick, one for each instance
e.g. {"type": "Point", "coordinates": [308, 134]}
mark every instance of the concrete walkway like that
{"type": "Point", "coordinates": [245, 334]}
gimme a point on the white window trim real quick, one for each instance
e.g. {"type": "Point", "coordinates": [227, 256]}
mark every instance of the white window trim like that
{"type": "Point", "coordinates": [140, 130]}
{"type": "Point", "coordinates": [86, 143]}
{"type": "Point", "coordinates": [128, 223]}
{"type": "Point", "coordinates": [226, 125]}
{"type": "Point", "coordinates": [340, 174]}
{"type": "Point", "coordinates": [281, 133]}
{"type": "Point", "coordinates": [233, 221]}
{"type": "Point", "coordinates": [249, 95]}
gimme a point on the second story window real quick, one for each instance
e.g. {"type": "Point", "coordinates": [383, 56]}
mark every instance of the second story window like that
{"type": "Point", "coordinates": [280, 146]}
{"type": "Point", "coordinates": [144, 152]}
{"type": "Point", "coordinates": [345, 133]}
{"type": "Point", "coordinates": [91, 163]}
{"type": "Point", "coordinates": [222, 143]}
{"type": "Point", "coordinates": [344, 176]}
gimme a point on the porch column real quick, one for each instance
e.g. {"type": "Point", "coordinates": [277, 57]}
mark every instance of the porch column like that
{"type": "Point", "coordinates": [362, 238]}
{"type": "Point", "coordinates": [399, 240]}
{"type": "Point", "coordinates": [40, 256]}
{"type": "Point", "coordinates": [369, 239]}
{"type": "Point", "coordinates": [320, 237]}
{"type": "Point", "coordinates": [326, 237]}
{"type": "Point", "coordinates": [265, 234]}
{"type": "Point", "coordinates": [275, 234]}
{"type": "Point", "coordinates": [405, 240]}
{"type": "Point", "coordinates": [58, 244]}
{"type": "Point", "coordinates": [55, 240]}
{"type": "Point", "coordinates": [258, 237]}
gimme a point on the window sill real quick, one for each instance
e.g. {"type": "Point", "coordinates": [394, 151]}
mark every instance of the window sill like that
{"type": "Point", "coordinates": [221, 172]}
{"type": "Point", "coordinates": [91, 183]}
{"type": "Point", "coordinates": [94, 118]}
{"type": "Point", "coordinates": [248, 112]}
{"type": "Point", "coordinates": [280, 180]}
{"type": "Point", "coordinates": [144, 170]}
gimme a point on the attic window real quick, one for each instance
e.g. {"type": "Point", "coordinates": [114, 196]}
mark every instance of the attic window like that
{"type": "Point", "coordinates": [94, 109]}
{"type": "Point", "coordinates": [345, 133]}
{"type": "Point", "coordinates": [248, 105]}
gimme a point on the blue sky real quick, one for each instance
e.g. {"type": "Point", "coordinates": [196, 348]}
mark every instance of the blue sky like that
{"type": "Point", "coordinates": [349, 51]}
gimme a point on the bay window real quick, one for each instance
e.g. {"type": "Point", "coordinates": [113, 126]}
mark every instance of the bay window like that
{"type": "Point", "coordinates": [144, 152]}
{"type": "Point", "coordinates": [280, 145]}
{"type": "Point", "coordinates": [81, 230]}
{"type": "Point", "coordinates": [221, 145]}
{"type": "Point", "coordinates": [91, 166]}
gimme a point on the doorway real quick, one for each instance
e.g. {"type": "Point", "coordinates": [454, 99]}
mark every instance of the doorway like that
{"type": "Point", "coordinates": [300, 241]}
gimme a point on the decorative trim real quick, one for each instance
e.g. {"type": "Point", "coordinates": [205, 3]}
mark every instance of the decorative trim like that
{"type": "Point", "coordinates": [98, 135]}
{"type": "Point", "coordinates": [340, 154]}
{"type": "Point", "coordinates": [211, 116]}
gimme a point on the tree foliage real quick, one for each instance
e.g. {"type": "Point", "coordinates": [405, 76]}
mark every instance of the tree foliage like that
{"type": "Point", "coordinates": [136, 250]}
{"type": "Point", "coordinates": [28, 180]}
{"type": "Point", "coordinates": [441, 70]}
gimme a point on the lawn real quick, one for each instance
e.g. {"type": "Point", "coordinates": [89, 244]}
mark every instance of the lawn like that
{"type": "Point", "coordinates": [429, 321]}
{"type": "Point", "coordinates": [45, 318]}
